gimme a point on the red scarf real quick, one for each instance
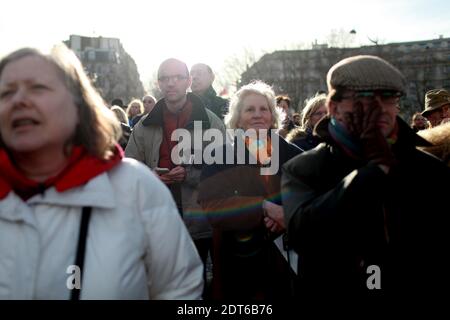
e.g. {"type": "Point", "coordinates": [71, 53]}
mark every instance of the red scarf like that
{"type": "Point", "coordinates": [81, 168]}
{"type": "Point", "coordinates": [172, 121]}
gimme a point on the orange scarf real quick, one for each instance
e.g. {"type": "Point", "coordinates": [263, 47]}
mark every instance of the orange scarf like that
{"type": "Point", "coordinates": [261, 150]}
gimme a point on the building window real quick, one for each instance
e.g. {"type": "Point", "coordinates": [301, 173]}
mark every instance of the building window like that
{"type": "Point", "coordinates": [102, 56]}
{"type": "Point", "coordinates": [91, 55]}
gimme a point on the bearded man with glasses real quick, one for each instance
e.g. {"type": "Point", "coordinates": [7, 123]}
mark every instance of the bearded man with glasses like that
{"type": "Point", "coordinates": [349, 203]}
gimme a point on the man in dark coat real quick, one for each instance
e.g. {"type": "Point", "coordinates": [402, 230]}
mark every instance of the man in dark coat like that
{"type": "Point", "coordinates": [202, 79]}
{"type": "Point", "coordinates": [353, 210]}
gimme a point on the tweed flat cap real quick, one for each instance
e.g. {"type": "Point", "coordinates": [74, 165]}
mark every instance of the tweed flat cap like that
{"type": "Point", "coordinates": [435, 99]}
{"type": "Point", "coordinates": [365, 72]}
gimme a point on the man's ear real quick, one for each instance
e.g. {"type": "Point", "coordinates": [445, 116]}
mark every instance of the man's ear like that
{"type": "Point", "coordinates": [331, 107]}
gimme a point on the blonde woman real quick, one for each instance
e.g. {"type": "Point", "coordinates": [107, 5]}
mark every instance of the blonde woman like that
{"type": "Point", "coordinates": [419, 122]}
{"type": "Point", "coordinates": [134, 109]}
{"type": "Point", "coordinates": [303, 136]}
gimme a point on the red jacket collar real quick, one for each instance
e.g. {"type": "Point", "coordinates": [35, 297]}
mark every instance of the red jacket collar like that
{"type": "Point", "coordinates": [81, 168]}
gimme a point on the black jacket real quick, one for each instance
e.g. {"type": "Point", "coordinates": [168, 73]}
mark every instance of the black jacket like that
{"type": "Point", "coordinates": [232, 195]}
{"type": "Point", "coordinates": [304, 139]}
{"type": "Point", "coordinates": [237, 184]}
{"type": "Point", "coordinates": [215, 103]}
{"type": "Point", "coordinates": [126, 133]}
{"type": "Point", "coordinates": [344, 215]}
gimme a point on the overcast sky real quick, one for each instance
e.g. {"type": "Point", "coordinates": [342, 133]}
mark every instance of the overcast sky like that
{"type": "Point", "coordinates": [209, 31]}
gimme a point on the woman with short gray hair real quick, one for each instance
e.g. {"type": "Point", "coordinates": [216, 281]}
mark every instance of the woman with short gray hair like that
{"type": "Point", "coordinates": [236, 104]}
{"type": "Point", "coordinates": [243, 205]}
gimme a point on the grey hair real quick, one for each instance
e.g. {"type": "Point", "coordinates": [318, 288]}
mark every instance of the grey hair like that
{"type": "Point", "coordinates": [255, 87]}
{"type": "Point", "coordinates": [148, 95]}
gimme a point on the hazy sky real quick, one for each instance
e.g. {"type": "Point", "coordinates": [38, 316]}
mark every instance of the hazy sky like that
{"type": "Point", "coordinates": [209, 30]}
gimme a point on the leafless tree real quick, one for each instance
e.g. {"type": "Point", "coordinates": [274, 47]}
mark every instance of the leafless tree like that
{"type": "Point", "coordinates": [153, 87]}
{"type": "Point", "coordinates": [234, 66]}
{"type": "Point", "coordinates": [340, 38]}
{"type": "Point", "coordinates": [296, 45]}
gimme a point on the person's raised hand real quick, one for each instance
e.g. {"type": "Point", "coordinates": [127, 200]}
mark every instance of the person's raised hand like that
{"type": "Point", "coordinates": [364, 126]}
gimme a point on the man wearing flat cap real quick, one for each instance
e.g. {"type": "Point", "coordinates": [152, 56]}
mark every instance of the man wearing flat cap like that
{"type": "Point", "coordinates": [437, 106]}
{"type": "Point", "coordinates": [352, 207]}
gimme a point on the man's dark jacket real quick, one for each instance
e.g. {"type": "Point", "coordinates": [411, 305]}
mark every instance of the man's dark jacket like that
{"type": "Point", "coordinates": [215, 103]}
{"type": "Point", "coordinates": [344, 215]}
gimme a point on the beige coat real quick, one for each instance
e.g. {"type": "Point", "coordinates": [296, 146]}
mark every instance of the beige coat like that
{"type": "Point", "coordinates": [144, 145]}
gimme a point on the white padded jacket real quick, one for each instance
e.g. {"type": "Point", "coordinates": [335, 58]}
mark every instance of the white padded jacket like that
{"type": "Point", "coordinates": [137, 245]}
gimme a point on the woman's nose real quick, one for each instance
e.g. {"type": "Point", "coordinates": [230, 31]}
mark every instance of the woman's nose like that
{"type": "Point", "coordinates": [257, 114]}
{"type": "Point", "coordinates": [19, 97]}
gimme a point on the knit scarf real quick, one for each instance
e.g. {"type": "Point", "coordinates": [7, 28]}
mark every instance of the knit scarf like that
{"type": "Point", "coordinates": [340, 135]}
{"type": "Point", "coordinates": [349, 144]}
{"type": "Point", "coordinates": [261, 150]}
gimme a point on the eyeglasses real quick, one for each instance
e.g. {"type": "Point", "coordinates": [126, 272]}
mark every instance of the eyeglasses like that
{"type": "Point", "coordinates": [385, 96]}
{"type": "Point", "coordinates": [175, 78]}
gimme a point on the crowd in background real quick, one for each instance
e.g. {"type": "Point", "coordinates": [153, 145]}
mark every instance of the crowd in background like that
{"type": "Point", "coordinates": [105, 188]}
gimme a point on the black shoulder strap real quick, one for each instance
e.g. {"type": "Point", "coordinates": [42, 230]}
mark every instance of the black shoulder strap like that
{"type": "Point", "coordinates": [79, 259]}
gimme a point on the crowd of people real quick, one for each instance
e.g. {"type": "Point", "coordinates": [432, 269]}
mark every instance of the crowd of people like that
{"type": "Point", "coordinates": [138, 200]}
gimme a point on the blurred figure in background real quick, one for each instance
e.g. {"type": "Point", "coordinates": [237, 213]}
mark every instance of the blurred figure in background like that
{"type": "Point", "coordinates": [134, 109]}
{"type": "Point", "coordinates": [148, 102]}
{"type": "Point", "coordinates": [437, 106]}
{"type": "Point", "coordinates": [202, 80]}
{"type": "Point", "coordinates": [118, 102]}
{"type": "Point", "coordinates": [303, 136]}
{"type": "Point", "coordinates": [126, 130]}
{"type": "Point", "coordinates": [297, 119]}
{"type": "Point", "coordinates": [440, 138]}
{"type": "Point", "coordinates": [419, 122]}
{"type": "Point", "coordinates": [284, 103]}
